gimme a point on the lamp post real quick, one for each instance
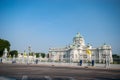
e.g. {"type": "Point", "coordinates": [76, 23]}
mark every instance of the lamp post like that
{"type": "Point", "coordinates": [81, 60]}
{"type": "Point", "coordinates": [53, 57]}
{"type": "Point", "coordinates": [107, 62]}
{"type": "Point", "coordinates": [80, 57]}
{"type": "Point", "coordinates": [23, 57]}
{"type": "Point", "coordinates": [40, 57]}
{"type": "Point", "coordinates": [70, 58]}
{"type": "Point", "coordinates": [29, 49]}
{"type": "Point", "coordinates": [93, 60]}
{"type": "Point", "coordinates": [105, 59]}
{"type": "Point", "coordinates": [13, 61]}
{"type": "Point", "coordinates": [5, 53]}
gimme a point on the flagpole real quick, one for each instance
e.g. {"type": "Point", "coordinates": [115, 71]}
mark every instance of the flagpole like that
{"type": "Point", "coordinates": [89, 54]}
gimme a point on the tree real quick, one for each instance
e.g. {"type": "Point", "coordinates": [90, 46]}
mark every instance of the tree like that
{"type": "Point", "coordinates": [31, 54]}
{"type": "Point", "coordinates": [4, 44]}
{"type": "Point", "coordinates": [37, 55]}
{"type": "Point", "coordinates": [13, 52]}
{"type": "Point", "coordinates": [42, 55]}
{"type": "Point", "coordinates": [116, 58]}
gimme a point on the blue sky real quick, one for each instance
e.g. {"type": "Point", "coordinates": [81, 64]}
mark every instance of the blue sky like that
{"type": "Point", "coordinates": [43, 24]}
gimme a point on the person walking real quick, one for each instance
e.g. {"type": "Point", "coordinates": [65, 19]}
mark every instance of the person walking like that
{"type": "Point", "coordinates": [80, 62]}
{"type": "Point", "coordinates": [93, 62]}
{"type": "Point", "coordinates": [36, 61]}
{"type": "Point", "coordinates": [1, 60]}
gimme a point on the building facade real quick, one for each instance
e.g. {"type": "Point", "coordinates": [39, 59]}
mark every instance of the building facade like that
{"type": "Point", "coordinates": [77, 51]}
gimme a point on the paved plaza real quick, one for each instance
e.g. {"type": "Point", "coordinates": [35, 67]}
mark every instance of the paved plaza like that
{"type": "Point", "coordinates": [51, 72]}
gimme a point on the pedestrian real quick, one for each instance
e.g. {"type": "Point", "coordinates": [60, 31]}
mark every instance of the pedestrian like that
{"type": "Point", "coordinates": [80, 62]}
{"type": "Point", "coordinates": [36, 61]}
{"type": "Point", "coordinates": [1, 60]}
{"type": "Point", "coordinates": [93, 62]}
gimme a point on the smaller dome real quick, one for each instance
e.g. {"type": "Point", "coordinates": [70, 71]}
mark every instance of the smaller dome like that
{"type": "Point", "coordinates": [89, 46]}
{"type": "Point", "coordinates": [105, 46]}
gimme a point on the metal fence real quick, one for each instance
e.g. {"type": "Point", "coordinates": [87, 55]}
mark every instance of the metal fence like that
{"type": "Point", "coordinates": [38, 60]}
{"type": "Point", "coordinates": [116, 60]}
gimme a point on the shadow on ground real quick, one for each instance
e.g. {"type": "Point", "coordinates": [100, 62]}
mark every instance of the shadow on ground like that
{"type": "Point", "coordinates": [56, 78]}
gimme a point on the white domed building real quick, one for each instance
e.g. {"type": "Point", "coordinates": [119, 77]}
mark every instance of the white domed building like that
{"type": "Point", "coordinates": [77, 51]}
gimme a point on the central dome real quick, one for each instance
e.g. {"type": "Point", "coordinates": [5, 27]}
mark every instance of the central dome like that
{"type": "Point", "coordinates": [78, 39]}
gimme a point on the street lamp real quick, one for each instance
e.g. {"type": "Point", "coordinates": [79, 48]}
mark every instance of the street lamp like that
{"type": "Point", "coordinates": [81, 60]}
{"type": "Point", "coordinates": [93, 60]}
{"type": "Point", "coordinates": [29, 49]}
{"type": "Point", "coordinates": [80, 57]}
{"type": "Point", "coordinates": [40, 57]}
{"type": "Point", "coordinates": [71, 58]}
{"type": "Point", "coordinates": [5, 53]}
{"type": "Point", "coordinates": [107, 60]}
{"type": "Point", "coordinates": [52, 57]}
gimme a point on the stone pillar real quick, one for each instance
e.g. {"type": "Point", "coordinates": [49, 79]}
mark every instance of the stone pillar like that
{"type": "Point", "coordinates": [111, 59]}
{"type": "Point", "coordinates": [99, 55]}
{"type": "Point", "coordinates": [5, 53]}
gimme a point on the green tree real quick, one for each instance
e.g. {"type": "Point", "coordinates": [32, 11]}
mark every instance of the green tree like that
{"type": "Point", "coordinates": [37, 55]}
{"type": "Point", "coordinates": [116, 58]}
{"type": "Point", "coordinates": [4, 44]}
{"type": "Point", "coordinates": [42, 55]}
{"type": "Point", "coordinates": [31, 54]}
{"type": "Point", "coordinates": [13, 52]}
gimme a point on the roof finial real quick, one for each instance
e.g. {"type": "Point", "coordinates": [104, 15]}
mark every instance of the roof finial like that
{"type": "Point", "coordinates": [78, 34]}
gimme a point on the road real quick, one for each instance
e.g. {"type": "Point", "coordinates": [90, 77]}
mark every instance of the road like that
{"type": "Point", "coordinates": [45, 72]}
